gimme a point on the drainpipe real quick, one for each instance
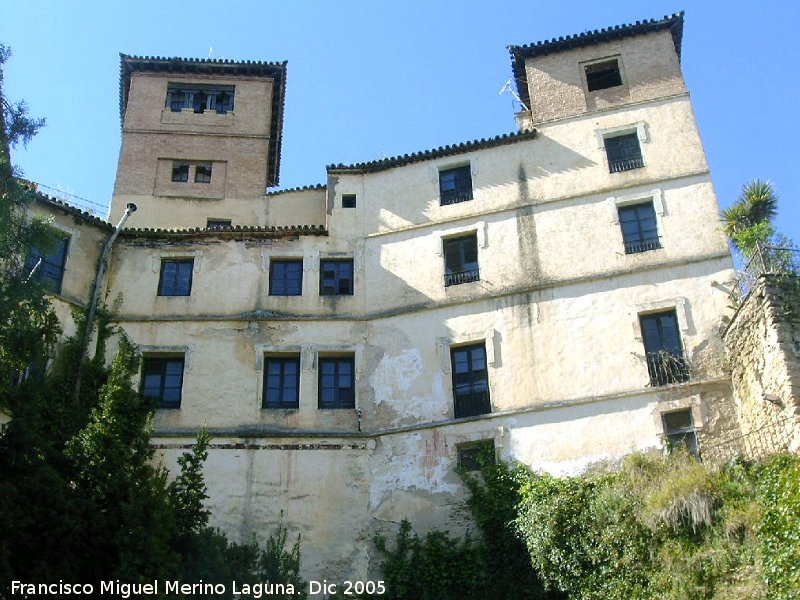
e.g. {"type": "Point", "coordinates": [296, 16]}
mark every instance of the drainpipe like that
{"type": "Point", "coordinates": [98, 285]}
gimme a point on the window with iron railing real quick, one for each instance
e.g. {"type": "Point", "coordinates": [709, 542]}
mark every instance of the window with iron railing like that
{"type": "Point", "coordinates": [470, 381]}
{"type": "Point", "coordinates": [461, 260]}
{"type": "Point", "coordinates": [666, 361]}
{"type": "Point", "coordinates": [639, 228]}
{"type": "Point", "coordinates": [455, 185]}
{"type": "Point", "coordinates": [624, 153]}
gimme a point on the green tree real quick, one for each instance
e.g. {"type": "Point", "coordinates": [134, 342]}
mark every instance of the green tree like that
{"type": "Point", "coordinates": [28, 327]}
{"type": "Point", "coordinates": [749, 221]}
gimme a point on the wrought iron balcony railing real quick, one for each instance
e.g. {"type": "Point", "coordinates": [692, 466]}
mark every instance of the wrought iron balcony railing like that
{"type": "Point", "coordinates": [642, 246]}
{"type": "Point", "coordinates": [455, 196]}
{"type": "Point", "coordinates": [473, 404]}
{"type": "Point", "coordinates": [460, 277]}
{"type": "Point", "coordinates": [625, 164]}
{"type": "Point", "coordinates": [666, 367]}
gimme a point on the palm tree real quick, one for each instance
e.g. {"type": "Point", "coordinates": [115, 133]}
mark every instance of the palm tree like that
{"type": "Point", "coordinates": [749, 221]}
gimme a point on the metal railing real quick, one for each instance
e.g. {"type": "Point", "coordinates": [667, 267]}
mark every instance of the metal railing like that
{"type": "Point", "coordinates": [472, 404]}
{"type": "Point", "coordinates": [642, 246]}
{"type": "Point", "coordinates": [773, 260]}
{"type": "Point", "coordinates": [454, 196]}
{"type": "Point", "coordinates": [625, 164]}
{"type": "Point", "coordinates": [462, 277]}
{"type": "Point", "coordinates": [666, 367]}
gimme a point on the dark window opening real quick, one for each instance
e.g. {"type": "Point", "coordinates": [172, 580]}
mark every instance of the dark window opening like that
{"type": "Point", "coordinates": [202, 174]}
{"type": "Point", "coordinates": [666, 362]}
{"type": "Point", "coordinates": [455, 185]}
{"type": "Point", "coordinates": [348, 200]}
{"type": "Point", "coordinates": [336, 277]}
{"type": "Point", "coordinates": [162, 379]}
{"type": "Point", "coordinates": [680, 432]}
{"type": "Point", "coordinates": [48, 269]}
{"type": "Point", "coordinates": [472, 456]}
{"type": "Point", "coordinates": [602, 75]}
{"type": "Point", "coordinates": [470, 381]}
{"type": "Point", "coordinates": [624, 153]}
{"type": "Point", "coordinates": [639, 230]}
{"type": "Point", "coordinates": [180, 172]}
{"type": "Point", "coordinates": [286, 277]}
{"type": "Point", "coordinates": [337, 382]}
{"type": "Point", "coordinates": [176, 277]}
{"type": "Point", "coordinates": [461, 260]}
{"type": "Point", "coordinates": [200, 97]}
{"type": "Point", "coordinates": [218, 223]}
{"type": "Point", "coordinates": [281, 382]}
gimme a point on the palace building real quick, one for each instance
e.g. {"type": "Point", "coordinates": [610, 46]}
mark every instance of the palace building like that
{"type": "Point", "coordinates": [556, 293]}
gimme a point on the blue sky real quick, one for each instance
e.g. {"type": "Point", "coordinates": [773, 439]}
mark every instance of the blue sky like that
{"type": "Point", "coordinates": [368, 79]}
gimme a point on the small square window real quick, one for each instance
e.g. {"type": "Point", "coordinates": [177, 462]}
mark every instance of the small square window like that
{"type": "Point", "coordinates": [337, 388]}
{"type": "Point", "coordinates": [461, 260]}
{"type": "Point", "coordinates": [218, 223]}
{"type": "Point", "coordinates": [176, 277]}
{"type": "Point", "coordinates": [162, 379]}
{"type": "Point", "coordinates": [455, 185]}
{"type": "Point", "coordinates": [666, 361]}
{"type": "Point", "coordinates": [603, 75]}
{"type": "Point", "coordinates": [679, 430]}
{"type": "Point", "coordinates": [48, 269]}
{"type": "Point", "coordinates": [348, 200]}
{"type": "Point", "coordinates": [624, 153]}
{"type": "Point", "coordinates": [180, 172]}
{"type": "Point", "coordinates": [472, 454]}
{"type": "Point", "coordinates": [470, 381]}
{"type": "Point", "coordinates": [336, 277]}
{"type": "Point", "coordinates": [286, 277]}
{"type": "Point", "coordinates": [639, 230]}
{"type": "Point", "coordinates": [202, 173]}
{"type": "Point", "coordinates": [281, 382]}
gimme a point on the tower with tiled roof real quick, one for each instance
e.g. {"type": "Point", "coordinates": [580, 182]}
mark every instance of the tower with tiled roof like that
{"type": "Point", "coordinates": [201, 139]}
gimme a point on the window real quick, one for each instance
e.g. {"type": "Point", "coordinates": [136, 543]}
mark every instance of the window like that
{"type": "Point", "coordinates": [662, 346]}
{"type": "Point", "coordinates": [679, 430]}
{"type": "Point", "coordinates": [48, 269]}
{"type": "Point", "coordinates": [461, 260]}
{"type": "Point", "coordinates": [286, 277]}
{"type": "Point", "coordinates": [200, 98]}
{"type": "Point", "coordinates": [202, 173]}
{"type": "Point", "coordinates": [602, 75]}
{"type": "Point", "coordinates": [472, 454]}
{"type": "Point", "coordinates": [162, 379]}
{"type": "Point", "coordinates": [348, 200]}
{"type": "Point", "coordinates": [455, 185]}
{"type": "Point", "coordinates": [176, 277]}
{"type": "Point", "coordinates": [337, 387]}
{"type": "Point", "coordinates": [180, 172]}
{"type": "Point", "coordinates": [623, 153]}
{"type": "Point", "coordinates": [639, 231]}
{"type": "Point", "coordinates": [218, 223]}
{"type": "Point", "coordinates": [470, 381]}
{"type": "Point", "coordinates": [281, 382]}
{"type": "Point", "coordinates": [336, 277]}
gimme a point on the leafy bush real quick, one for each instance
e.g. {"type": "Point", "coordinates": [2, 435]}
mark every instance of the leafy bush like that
{"type": "Point", "coordinates": [667, 527]}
